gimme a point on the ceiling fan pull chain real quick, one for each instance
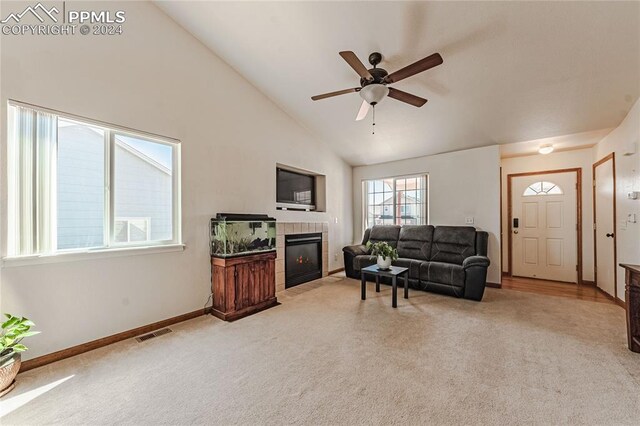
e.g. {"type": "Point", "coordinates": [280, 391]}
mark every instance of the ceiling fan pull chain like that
{"type": "Point", "coordinates": [374, 120]}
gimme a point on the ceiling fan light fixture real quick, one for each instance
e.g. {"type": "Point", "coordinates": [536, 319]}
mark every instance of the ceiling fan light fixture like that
{"type": "Point", "coordinates": [374, 93]}
{"type": "Point", "coordinates": [545, 149]}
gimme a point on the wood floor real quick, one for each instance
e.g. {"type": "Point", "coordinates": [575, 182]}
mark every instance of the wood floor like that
{"type": "Point", "coordinates": [555, 288]}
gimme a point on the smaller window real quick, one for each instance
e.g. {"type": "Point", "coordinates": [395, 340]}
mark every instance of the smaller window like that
{"type": "Point", "coordinates": [542, 188]}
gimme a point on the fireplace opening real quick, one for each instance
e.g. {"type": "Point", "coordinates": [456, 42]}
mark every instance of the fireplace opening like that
{"type": "Point", "coordinates": [302, 258]}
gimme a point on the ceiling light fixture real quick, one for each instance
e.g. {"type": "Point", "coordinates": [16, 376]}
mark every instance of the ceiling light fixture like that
{"type": "Point", "coordinates": [545, 149]}
{"type": "Point", "coordinates": [372, 94]}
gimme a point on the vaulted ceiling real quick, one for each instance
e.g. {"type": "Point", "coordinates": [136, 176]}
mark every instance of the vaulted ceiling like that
{"type": "Point", "coordinates": [513, 71]}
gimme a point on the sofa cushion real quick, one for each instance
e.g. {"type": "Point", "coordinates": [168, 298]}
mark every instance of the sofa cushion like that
{"type": "Point", "coordinates": [388, 233]}
{"type": "Point", "coordinates": [363, 261]}
{"type": "Point", "coordinates": [412, 264]}
{"type": "Point", "coordinates": [453, 244]}
{"type": "Point", "coordinates": [415, 241]}
{"type": "Point", "coordinates": [442, 273]}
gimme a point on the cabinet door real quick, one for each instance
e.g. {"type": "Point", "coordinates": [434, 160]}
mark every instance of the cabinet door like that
{"type": "Point", "coordinates": [243, 284]}
{"type": "Point", "coordinates": [269, 279]}
{"type": "Point", "coordinates": [265, 280]}
{"type": "Point", "coordinates": [262, 291]}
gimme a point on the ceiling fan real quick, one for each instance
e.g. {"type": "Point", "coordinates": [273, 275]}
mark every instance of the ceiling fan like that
{"type": "Point", "coordinates": [373, 82]}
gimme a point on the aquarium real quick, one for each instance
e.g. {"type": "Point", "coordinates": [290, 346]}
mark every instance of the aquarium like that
{"type": "Point", "coordinates": [242, 234]}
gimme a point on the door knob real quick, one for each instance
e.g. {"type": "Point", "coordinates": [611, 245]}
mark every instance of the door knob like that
{"type": "Point", "coordinates": [610, 235]}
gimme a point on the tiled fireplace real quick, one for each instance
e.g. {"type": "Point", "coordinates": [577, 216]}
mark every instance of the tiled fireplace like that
{"type": "Point", "coordinates": [309, 229]}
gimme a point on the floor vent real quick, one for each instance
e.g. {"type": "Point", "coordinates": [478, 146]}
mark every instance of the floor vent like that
{"type": "Point", "coordinates": [154, 334]}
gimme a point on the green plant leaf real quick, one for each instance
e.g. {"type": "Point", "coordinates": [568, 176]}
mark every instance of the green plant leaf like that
{"type": "Point", "coordinates": [10, 322]}
{"type": "Point", "coordinates": [19, 348]}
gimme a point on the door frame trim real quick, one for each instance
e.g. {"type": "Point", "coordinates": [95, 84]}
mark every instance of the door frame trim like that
{"type": "Point", "coordinates": [612, 157]}
{"type": "Point", "coordinates": [578, 172]}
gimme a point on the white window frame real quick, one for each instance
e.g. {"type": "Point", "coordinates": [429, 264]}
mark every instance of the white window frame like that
{"type": "Point", "coordinates": [365, 197]}
{"type": "Point", "coordinates": [110, 130]}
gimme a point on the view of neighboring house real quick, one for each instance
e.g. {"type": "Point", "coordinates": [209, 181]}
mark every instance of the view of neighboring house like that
{"type": "Point", "coordinates": [142, 205]}
{"type": "Point", "coordinates": [400, 201]}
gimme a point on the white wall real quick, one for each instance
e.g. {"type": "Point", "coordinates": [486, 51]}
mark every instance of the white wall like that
{"type": "Point", "coordinates": [627, 179]}
{"type": "Point", "coordinates": [461, 184]}
{"type": "Point", "coordinates": [582, 159]}
{"type": "Point", "coordinates": [156, 78]}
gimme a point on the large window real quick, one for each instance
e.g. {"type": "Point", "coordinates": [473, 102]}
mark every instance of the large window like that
{"type": "Point", "coordinates": [399, 201]}
{"type": "Point", "coordinates": [76, 185]}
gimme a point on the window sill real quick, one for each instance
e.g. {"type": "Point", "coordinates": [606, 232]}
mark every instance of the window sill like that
{"type": "Point", "coordinates": [8, 262]}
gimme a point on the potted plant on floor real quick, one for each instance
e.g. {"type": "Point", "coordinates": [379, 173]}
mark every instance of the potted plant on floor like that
{"type": "Point", "coordinates": [14, 329]}
{"type": "Point", "coordinates": [385, 253]}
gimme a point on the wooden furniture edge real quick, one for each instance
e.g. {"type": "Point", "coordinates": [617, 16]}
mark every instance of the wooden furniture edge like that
{"type": "Point", "coordinates": [105, 341]}
{"type": "Point", "coordinates": [493, 285]}
{"type": "Point", "coordinates": [246, 311]}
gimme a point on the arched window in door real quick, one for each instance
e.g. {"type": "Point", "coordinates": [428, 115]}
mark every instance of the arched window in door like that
{"type": "Point", "coordinates": [542, 188]}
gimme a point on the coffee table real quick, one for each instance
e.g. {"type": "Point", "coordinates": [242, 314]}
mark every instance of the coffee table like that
{"type": "Point", "coordinates": [393, 273]}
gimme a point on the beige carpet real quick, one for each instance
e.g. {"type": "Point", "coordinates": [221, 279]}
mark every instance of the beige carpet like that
{"type": "Point", "coordinates": [325, 357]}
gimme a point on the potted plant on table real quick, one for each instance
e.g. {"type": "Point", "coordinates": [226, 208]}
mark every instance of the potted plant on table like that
{"type": "Point", "coordinates": [385, 253]}
{"type": "Point", "coordinates": [14, 329]}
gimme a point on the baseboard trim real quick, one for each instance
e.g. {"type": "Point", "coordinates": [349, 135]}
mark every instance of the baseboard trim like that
{"type": "Point", "coordinates": [99, 343]}
{"type": "Point", "coordinates": [589, 283]}
{"type": "Point", "coordinates": [621, 303]}
{"type": "Point", "coordinates": [335, 271]}
{"type": "Point", "coordinates": [494, 285]}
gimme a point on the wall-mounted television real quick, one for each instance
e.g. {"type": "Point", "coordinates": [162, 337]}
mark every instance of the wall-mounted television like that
{"type": "Point", "coordinates": [295, 191]}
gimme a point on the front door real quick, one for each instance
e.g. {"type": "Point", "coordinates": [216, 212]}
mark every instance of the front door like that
{"type": "Point", "coordinates": [604, 229]}
{"type": "Point", "coordinates": [544, 226]}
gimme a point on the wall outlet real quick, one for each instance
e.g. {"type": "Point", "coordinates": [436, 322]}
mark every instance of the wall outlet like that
{"type": "Point", "coordinates": [335, 256]}
{"type": "Point", "coordinates": [468, 220]}
{"type": "Point", "coordinates": [631, 218]}
{"type": "Point", "coordinates": [336, 220]}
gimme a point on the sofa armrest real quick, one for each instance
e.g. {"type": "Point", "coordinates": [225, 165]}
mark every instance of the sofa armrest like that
{"type": "Point", "coordinates": [356, 250]}
{"type": "Point", "coordinates": [475, 276]}
{"type": "Point", "coordinates": [471, 261]}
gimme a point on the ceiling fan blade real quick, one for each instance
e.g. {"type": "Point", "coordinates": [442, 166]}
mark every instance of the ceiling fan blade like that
{"type": "Point", "coordinates": [415, 68]}
{"type": "Point", "coordinates": [399, 95]}
{"type": "Point", "coordinates": [364, 110]}
{"type": "Point", "coordinates": [356, 64]}
{"type": "Point", "coordinates": [339, 92]}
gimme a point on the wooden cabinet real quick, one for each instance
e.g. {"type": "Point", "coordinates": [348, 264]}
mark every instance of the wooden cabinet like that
{"type": "Point", "coordinates": [243, 285]}
{"type": "Point", "coordinates": [632, 296]}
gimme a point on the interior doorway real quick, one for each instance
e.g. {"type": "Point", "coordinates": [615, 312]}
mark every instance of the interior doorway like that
{"type": "Point", "coordinates": [545, 225]}
{"type": "Point", "coordinates": [604, 224]}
